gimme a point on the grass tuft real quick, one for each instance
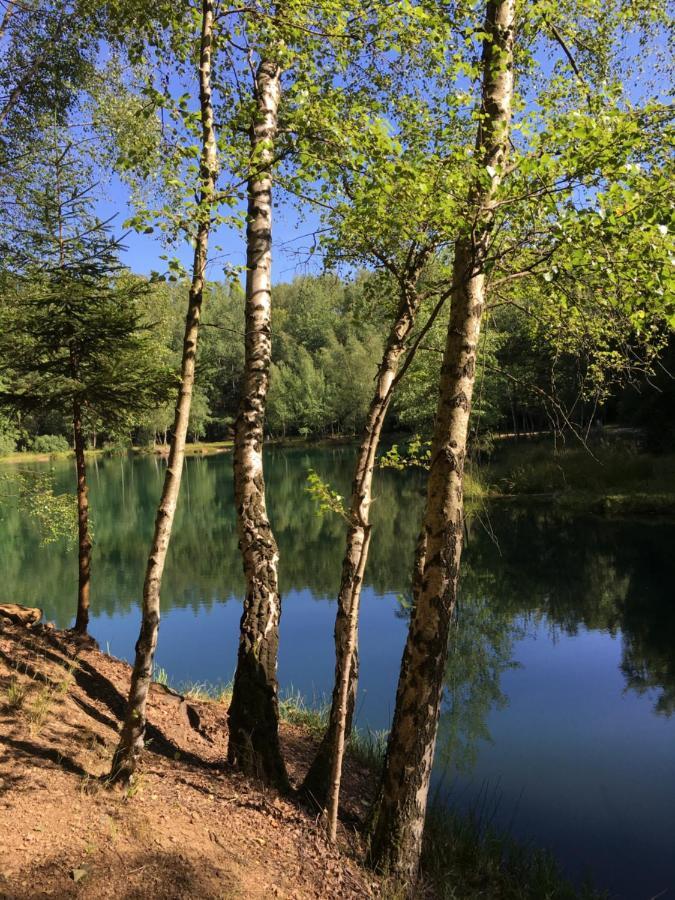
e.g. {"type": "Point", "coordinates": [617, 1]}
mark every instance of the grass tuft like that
{"type": "Point", "coordinates": [464, 857]}
{"type": "Point", "coordinates": [40, 707]}
{"type": "Point", "coordinates": [160, 676]}
{"type": "Point", "coordinates": [16, 694]}
{"type": "Point", "coordinates": [368, 748]}
{"type": "Point", "coordinates": [204, 692]}
{"type": "Point", "coordinates": [294, 709]}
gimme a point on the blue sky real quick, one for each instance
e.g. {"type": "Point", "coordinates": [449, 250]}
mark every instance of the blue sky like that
{"type": "Point", "coordinates": [291, 250]}
{"type": "Point", "coordinates": [292, 233]}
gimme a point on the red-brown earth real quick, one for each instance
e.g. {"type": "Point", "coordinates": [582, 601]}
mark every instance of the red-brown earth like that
{"type": "Point", "coordinates": [189, 827]}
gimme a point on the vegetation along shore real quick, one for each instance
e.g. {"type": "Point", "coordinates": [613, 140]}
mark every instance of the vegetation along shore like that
{"type": "Point", "coordinates": [337, 354]}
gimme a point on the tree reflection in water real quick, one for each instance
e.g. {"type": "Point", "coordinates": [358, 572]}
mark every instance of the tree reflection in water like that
{"type": "Point", "coordinates": [529, 566]}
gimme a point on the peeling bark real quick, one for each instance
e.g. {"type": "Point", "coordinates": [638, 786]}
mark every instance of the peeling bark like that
{"type": "Point", "coordinates": [399, 817]}
{"type": "Point", "coordinates": [322, 782]}
{"type": "Point", "coordinates": [253, 717]}
{"type": "Point", "coordinates": [131, 742]}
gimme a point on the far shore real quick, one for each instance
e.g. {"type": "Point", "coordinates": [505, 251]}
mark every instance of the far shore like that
{"type": "Point", "coordinates": [197, 448]}
{"type": "Point", "coordinates": [615, 484]}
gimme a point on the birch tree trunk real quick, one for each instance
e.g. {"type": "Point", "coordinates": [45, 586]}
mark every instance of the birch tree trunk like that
{"type": "Point", "coordinates": [131, 741]}
{"type": "Point", "coordinates": [399, 818]}
{"type": "Point", "coordinates": [83, 536]}
{"type": "Point", "coordinates": [322, 782]}
{"type": "Point", "coordinates": [254, 713]}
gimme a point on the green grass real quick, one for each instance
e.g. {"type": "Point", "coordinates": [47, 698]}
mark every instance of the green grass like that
{"type": "Point", "coordinates": [199, 448]}
{"type": "Point", "coordinates": [160, 676]}
{"type": "Point", "coordinates": [466, 858]}
{"type": "Point", "coordinates": [201, 691]}
{"type": "Point", "coordinates": [15, 694]}
{"type": "Point", "coordinates": [296, 711]}
{"type": "Point", "coordinates": [192, 448]}
{"type": "Point", "coordinates": [368, 748]}
{"type": "Point", "coordinates": [27, 456]}
{"type": "Point", "coordinates": [610, 478]}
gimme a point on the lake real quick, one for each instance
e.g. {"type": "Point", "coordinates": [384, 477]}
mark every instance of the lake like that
{"type": "Point", "coordinates": [560, 687]}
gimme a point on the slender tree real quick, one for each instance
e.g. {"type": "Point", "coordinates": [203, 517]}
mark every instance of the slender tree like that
{"type": "Point", "coordinates": [253, 716]}
{"type": "Point", "coordinates": [311, 44]}
{"type": "Point", "coordinates": [355, 559]}
{"type": "Point", "coordinates": [399, 822]}
{"type": "Point", "coordinates": [388, 218]}
{"type": "Point", "coordinates": [322, 781]}
{"type": "Point", "coordinates": [132, 737]}
{"type": "Point", "coordinates": [568, 170]}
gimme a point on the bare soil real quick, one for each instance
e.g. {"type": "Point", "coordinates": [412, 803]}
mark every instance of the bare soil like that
{"type": "Point", "coordinates": [189, 827]}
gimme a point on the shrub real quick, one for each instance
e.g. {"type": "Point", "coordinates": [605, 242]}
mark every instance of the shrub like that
{"type": "Point", "coordinates": [7, 443]}
{"type": "Point", "coordinates": [49, 443]}
{"type": "Point", "coordinates": [117, 446]}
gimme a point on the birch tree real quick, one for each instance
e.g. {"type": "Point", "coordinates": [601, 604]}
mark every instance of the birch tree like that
{"type": "Point", "coordinates": [312, 48]}
{"type": "Point", "coordinates": [386, 217]}
{"type": "Point", "coordinates": [564, 176]}
{"type": "Point", "coordinates": [132, 737]}
{"type": "Point", "coordinates": [397, 837]}
{"type": "Point", "coordinates": [253, 734]}
{"type": "Point", "coordinates": [48, 58]}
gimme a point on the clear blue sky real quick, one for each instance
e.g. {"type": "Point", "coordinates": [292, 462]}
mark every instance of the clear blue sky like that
{"type": "Point", "coordinates": [292, 240]}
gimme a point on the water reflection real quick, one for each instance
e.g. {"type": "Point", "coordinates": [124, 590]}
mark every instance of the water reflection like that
{"type": "Point", "coordinates": [529, 565]}
{"type": "Point", "coordinates": [560, 682]}
{"type": "Point", "coordinates": [598, 574]}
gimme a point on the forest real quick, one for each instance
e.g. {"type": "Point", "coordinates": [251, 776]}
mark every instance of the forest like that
{"type": "Point", "coordinates": [327, 339]}
{"type": "Point", "coordinates": [363, 311]}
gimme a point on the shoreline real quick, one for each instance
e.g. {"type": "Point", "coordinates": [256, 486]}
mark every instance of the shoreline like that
{"type": "Point", "coordinates": [199, 448]}
{"type": "Point", "coordinates": [609, 502]}
{"type": "Point", "coordinates": [188, 818]}
{"type": "Point", "coordinates": [605, 505]}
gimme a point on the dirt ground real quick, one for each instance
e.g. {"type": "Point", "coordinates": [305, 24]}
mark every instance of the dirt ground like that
{"type": "Point", "coordinates": [189, 828]}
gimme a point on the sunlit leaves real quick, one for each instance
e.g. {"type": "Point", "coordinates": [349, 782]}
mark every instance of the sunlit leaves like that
{"type": "Point", "coordinates": [35, 495]}
{"type": "Point", "coordinates": [326, 499]}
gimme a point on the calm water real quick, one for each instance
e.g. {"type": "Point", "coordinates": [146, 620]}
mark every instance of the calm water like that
{"type": "Point", "coordinates": [560, 695]}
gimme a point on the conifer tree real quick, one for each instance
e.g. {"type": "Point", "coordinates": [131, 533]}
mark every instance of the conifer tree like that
{"type": "Point", "coordinates": [71, 316]}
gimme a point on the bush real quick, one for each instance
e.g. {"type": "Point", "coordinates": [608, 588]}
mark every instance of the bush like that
{"type": "Point", "coordinates": [49, 443]}
{"type": "Point", "coordinates": [117, 446]}
{"type": "Point", "coordinates": [145, 436]}
{"type": "Point", "coordinates": [7, 443]}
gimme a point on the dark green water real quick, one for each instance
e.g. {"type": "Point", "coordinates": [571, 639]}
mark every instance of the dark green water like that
{"type": "Point", "coordinates": [560, 687]}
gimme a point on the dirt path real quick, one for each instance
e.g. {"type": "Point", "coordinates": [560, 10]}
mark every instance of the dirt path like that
{"type": "Point", "coordinates": [190, 828]}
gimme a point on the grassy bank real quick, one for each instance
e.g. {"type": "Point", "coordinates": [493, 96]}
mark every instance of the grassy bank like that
{"type": "Point", "coordinates": [464, 856]}
{"type": "Point", "coordinates": [607, 478]}
{"type": "Point", "coordinates": [197, 448]}
{"type": "Point", "coordinates": [28, 456]}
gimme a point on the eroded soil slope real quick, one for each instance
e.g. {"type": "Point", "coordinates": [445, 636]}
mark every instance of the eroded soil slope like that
{"type": "Point", "coordinates": [190, 827]}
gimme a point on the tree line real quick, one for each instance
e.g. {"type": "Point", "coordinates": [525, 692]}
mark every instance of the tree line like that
{"type": "Point", "coordinates": [325, 339]}
{"type": "Point", "coordinates": [494, 171]}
